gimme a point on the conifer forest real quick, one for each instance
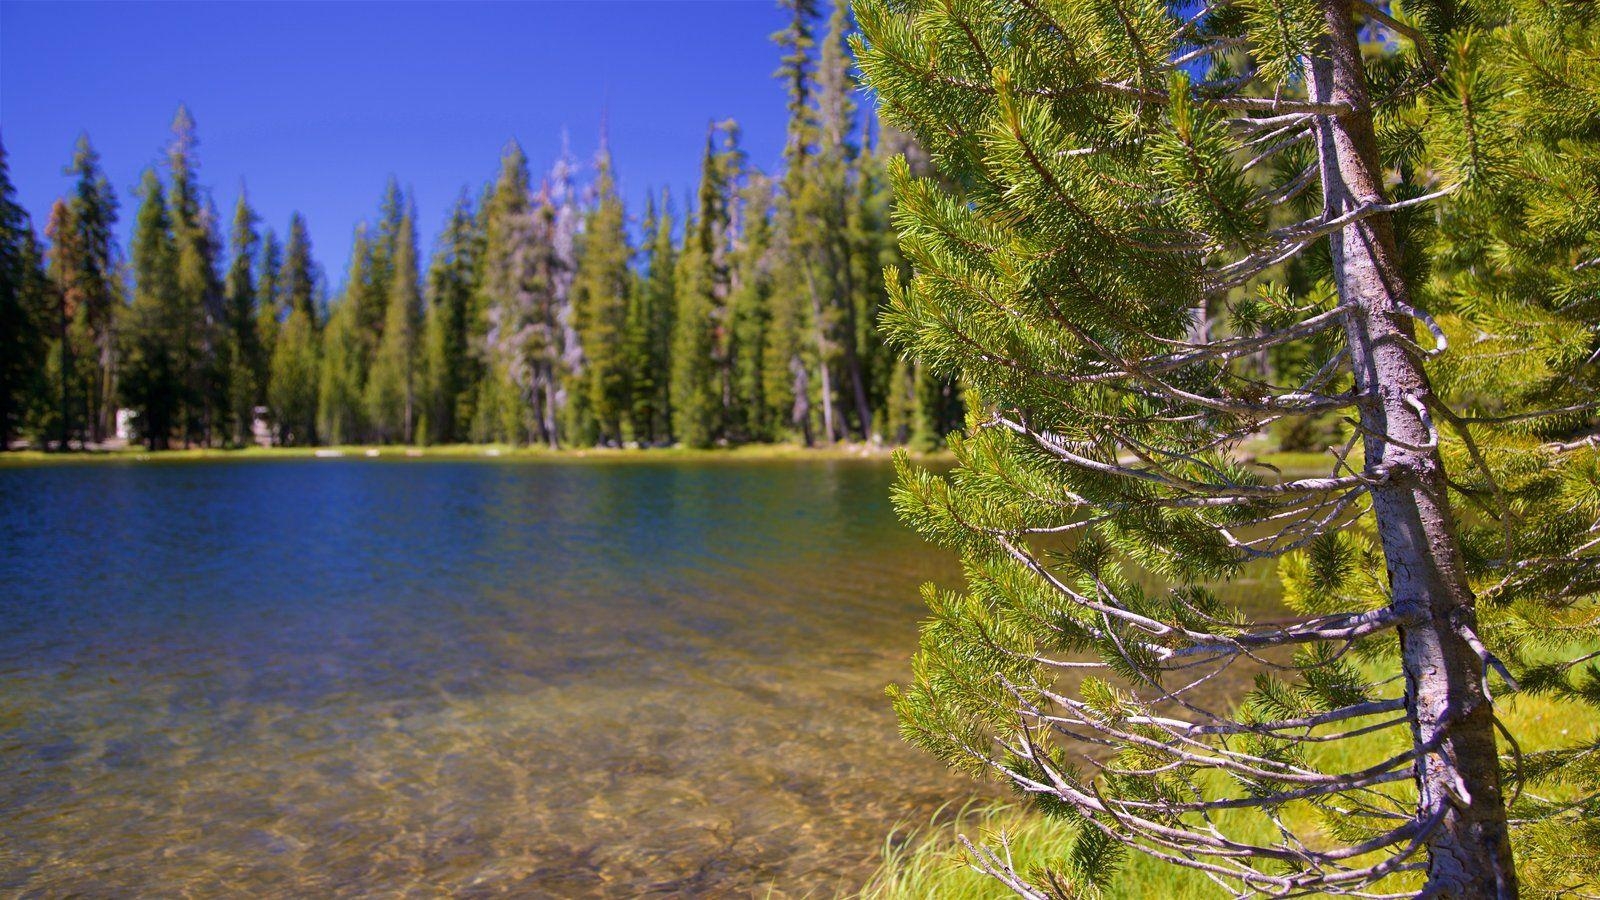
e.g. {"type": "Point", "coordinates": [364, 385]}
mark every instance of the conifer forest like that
{"type": "Point", "coordinates": [548, 314]}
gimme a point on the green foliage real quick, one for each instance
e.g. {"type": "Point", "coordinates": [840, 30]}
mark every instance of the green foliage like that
{"type": "Point", "coordinates": [392, 386]}
{"type": "Point", "coordinates": [601, 296]}
{"type": "Point", "coordinates": [24, 314]}
{"type": "Point", "coordinates": [152, 381]}
{"type": "Point", "coordinates": [700, 335]}
{"type": "Point", "coordinates": [248, 370]}
{"type": "Point", "coordinates": [536, 320]}
{"type": "Point", "coordinates": [655, 295]}
{"type": "Point", "coordinates": [1128, 263]}
{"type": "Point", "coordinates": [448, 367]}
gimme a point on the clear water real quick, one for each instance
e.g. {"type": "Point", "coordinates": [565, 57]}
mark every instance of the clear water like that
{"type": "Point", "coordinates": [418, 678]}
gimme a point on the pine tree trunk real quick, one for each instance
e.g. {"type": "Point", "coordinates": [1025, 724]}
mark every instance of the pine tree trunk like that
{"type": "Point", "coordinates": [66, 378]}
{"type": "Point", "coordinates": [822, 359]}
{"type": "Point", "coordinates": [1469, 851]}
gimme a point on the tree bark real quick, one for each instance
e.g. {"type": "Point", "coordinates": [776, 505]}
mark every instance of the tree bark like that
{"type": "Point", "coordinates": [1458, 780]}
{"type": "Point", "coordinates": [828, 432]}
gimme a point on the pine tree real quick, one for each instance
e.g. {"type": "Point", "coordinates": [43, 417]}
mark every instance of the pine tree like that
{"type": "Point", "coordinates": [450, 371]}
{"type": "Point", "coordinates": [750, 315]}
{"type": "Point", "coordinates": [834, 206]}
{"type": "Point", "coordinates": [63, 368]}
{"type": "Point", "coordinates": [383, 267]}
{"type": "Point", "coordinates": [513, 313]}
{"type": "Point", "coordinates": [270, 311]}
{"type": "Point", "coordinates": [248, 359]}
{"type": "Point", "coordinates": [24, 313]}
{"type": "Point", "coordinates": [293, 388]}
{"type": "Point", "coordinates": [299, 284]}
{"type": "Point", "coordinates": [656, 301]}
{"type": "Point", "coordinates": [392, 388]}
{"type": "Point", "coordinates": [601, 293]}
{"type": "Point", "coordinates": [153, 382]}
{"type": "Point", "coordinates": [787, 379]}
{"type": "Point", "coordinates": [202, 345]}
{"type": "Point", "coordinates": [561, 221]}
{"type": "Point", "coordinates": [341, 380]}
{"type": "Point", "coordinates": [1151, 196]}
{"type": "Point", "coordinates": [699, 344]}
{"type": "Point", "coordinates": [88, 272]}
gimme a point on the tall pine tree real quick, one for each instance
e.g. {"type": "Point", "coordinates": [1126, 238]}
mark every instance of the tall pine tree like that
{"type": "Point", "coordinates": [153, 384]}
{"type": "Point", "coordinates": [24, 314]}
{"type": "Point", "coordinates": [88, 260]}
{"type": "Point", "coordinates": [293, 389]}
{"type": "Point", "coordinates": [247, 371]}
{"type": "Point", "coordinates": [450, 370]}
{"type": "Point", "coordinates": [392, 388]}
{"type": "Point", "coordinates": [1152, 195]}
{"type": "Point", "coordinates": [601, 294]}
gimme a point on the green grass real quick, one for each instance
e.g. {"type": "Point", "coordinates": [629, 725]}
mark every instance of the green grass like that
{"type": "Point", "coordinates": [927, 860]}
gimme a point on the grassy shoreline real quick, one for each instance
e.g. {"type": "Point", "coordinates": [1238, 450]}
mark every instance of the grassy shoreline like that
{"type": "Point", "coordinates": [919, 860]}
{"type": "Point", "coordinates": [487, 452]}
{"type": "Point", "coordinates": [1287, 462]}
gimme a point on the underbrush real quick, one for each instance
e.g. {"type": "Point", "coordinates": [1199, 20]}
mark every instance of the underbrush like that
{"type": "Point", "coordinates": [927, 860]}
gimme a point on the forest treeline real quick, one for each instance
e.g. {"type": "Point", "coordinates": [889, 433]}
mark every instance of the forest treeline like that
{"type": "Point", "coordinates": [541, 317]}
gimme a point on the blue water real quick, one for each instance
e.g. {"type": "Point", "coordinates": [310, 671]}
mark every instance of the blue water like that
{"type": "Point", "coordinates": [434, 677]}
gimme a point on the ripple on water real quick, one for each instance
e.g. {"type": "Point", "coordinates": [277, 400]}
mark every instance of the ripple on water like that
{"type": "Point", "coordinates": [342, 677]}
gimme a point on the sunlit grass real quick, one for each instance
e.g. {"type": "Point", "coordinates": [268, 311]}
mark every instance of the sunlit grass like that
{"type": "Point", "coordinates": [927, 860]}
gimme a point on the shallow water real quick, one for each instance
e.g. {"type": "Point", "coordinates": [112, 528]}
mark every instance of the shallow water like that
{"type": "Point", "coordinates": [419, 678]}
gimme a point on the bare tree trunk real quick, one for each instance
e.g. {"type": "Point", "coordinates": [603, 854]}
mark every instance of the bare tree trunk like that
{"type": "Point", "coordinates": [1458, 780]}
{"type": "Point", "coordinates": [107, 403]}
{"type": "Point", "coordinates": [852, 360]}
{"type": "Point", "coordinates": [822, 359]}
{"type": "Point", "coordinates": [800, 412]}
{"type": "Point", "coordinates": [548, 422]}
{"type": "Point", "coordinates": [858, 385]}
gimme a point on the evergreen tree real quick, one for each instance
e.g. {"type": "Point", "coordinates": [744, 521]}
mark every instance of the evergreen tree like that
{"type": "Point", "coordinates": [450, 371]}
{"type": "Point", "coordinates": [699, 347]}
{"type": "Point", "coordinates": [601, 292]}
{"type": "Point", "coordinates": [153, 383]}
{"type": "Point", "coordinates": [391, 391]}
{"type": "Point", "coordinates": [792, 350]}
{"type": "Point", "coordinates": [202, 346]}
{"type": "Point", "coordinates": [293, 392]}
{"type": "Point", "coordinates": [247, 373]}
{"type": "Point", "coordinates": [383, 267]}
{"type": "Point", "coordinates": [24, 313]}
{"type": "Point", "coordinates": [293, 388]}
{"type": "Point", "coordinates": [270, 311]}
{"type": "Point", "coordinates": [87, 261]}
{"type": "Point", "coordinates": [514, 314]}
{"type": "Point", "coordinates": [341, 382]}
{"type": "Point", "coordinates": [833, 205]}
{"type": "Point", "coordinates": [560, 224]}
{"type": "Point", "coordinates": [656, 306]}
{"type": "Point", "coordinates": [1121, 250]}
{"type": "Point", "coordinates": [63, 368]}
{"type": "Point", "coordinates": [299, 278]}
{"type": "Point", "coordinates": [750, 314]}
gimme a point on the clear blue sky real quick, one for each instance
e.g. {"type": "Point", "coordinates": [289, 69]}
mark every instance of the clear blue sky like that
{"type": "Point", "coordinates": [313, 105]}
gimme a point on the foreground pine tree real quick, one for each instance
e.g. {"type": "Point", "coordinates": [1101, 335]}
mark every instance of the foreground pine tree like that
{"type": "Point", "coordinates": [1185, 224]}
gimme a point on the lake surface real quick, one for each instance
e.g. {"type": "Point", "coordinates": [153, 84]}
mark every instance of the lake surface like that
{"type": "Point", "coordinates": [417, 678]}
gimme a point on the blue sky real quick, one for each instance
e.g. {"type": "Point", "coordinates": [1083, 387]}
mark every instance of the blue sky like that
{"type": "Point", "coordinates": [312, 106]}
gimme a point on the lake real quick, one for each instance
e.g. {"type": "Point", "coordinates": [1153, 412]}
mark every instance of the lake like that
{"type": "Point", "coordinates": [420, 677]}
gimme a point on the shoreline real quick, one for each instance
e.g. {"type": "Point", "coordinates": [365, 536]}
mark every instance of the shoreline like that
{"type": "Point", "coordinates": [472, 452]}
{"type": "Point", "coordinates": [1297, 463]}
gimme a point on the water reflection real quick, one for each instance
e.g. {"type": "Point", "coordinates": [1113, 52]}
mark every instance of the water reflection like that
{"type": "Point", "coordinates": [292, 678]}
